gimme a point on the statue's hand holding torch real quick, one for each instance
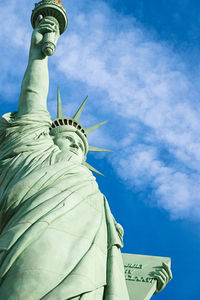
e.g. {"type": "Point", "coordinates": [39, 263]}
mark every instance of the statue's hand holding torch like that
{"type": "Point", "coordinates": [44, 38]}
{"type": "Point", "coordinates": [49, 20]}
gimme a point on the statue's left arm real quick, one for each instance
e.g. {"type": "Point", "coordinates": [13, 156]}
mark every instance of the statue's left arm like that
{"type": "Point", "coordinates": [35, 84]}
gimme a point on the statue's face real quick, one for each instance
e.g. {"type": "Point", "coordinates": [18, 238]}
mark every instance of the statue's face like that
{"type": "Point", "coordinates": [70, 144]}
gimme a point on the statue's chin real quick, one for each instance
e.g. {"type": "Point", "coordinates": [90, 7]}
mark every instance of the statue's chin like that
{"type": "Point", "coordinates": [68, 156]}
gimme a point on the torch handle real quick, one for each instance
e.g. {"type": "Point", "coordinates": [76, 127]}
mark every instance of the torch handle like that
{"type": "Point", "coordinates": [49, 41]}
{"type": "Point", "coordinates": [49, 47]}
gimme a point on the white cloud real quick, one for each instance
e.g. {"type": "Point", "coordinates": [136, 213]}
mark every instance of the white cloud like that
{"type": "Point", "coordinates": [14, 39]}
{"type": "Point", "coordinates": [149, 91]}
{"type": "Point", "coordinates": [137, 82]}
{"type": "Point", "coordinates": [176, 191]}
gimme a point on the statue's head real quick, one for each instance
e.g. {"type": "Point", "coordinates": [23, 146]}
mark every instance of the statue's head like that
{"type": "Point", "coordinates": [71, 137]}
{"type": "Point", "coordinates": [71, 144]}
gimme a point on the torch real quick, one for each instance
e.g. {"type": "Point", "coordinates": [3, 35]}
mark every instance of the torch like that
{"type": "Point", "coordinates": [54, 10]}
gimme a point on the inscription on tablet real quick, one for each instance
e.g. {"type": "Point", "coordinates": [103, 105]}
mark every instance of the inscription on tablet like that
{"type": "Point", "coordinates": [130, 273]}
{"type": "Point", "coordinates": [134, 266]}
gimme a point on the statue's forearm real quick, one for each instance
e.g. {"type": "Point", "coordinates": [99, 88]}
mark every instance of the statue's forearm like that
{"type": "Point", "coordinates": [35, 86]}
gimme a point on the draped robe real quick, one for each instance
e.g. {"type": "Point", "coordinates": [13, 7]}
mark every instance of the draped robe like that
{"type": "Point", "coordinates": [58, 238]}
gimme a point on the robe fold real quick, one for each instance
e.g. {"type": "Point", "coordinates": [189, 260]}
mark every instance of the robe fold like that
{"type": "Point", "coordinates": [58, 238]}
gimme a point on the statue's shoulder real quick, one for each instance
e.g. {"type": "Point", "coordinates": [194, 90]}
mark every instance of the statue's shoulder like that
{"type": "Point", "coordinates": [34, 119]}
{"type": "Point", "coordinates": [24, 133]}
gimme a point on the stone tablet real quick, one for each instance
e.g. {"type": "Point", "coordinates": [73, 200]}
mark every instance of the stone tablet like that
{"type": "Point", "coordinates": [141, 286]}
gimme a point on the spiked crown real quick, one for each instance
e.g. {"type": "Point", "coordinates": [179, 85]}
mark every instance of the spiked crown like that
{"type": "Point", "coordinates": [62, 124]}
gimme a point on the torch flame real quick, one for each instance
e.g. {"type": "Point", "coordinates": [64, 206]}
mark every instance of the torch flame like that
{"type": "Point", "coordinates": [59, 2]}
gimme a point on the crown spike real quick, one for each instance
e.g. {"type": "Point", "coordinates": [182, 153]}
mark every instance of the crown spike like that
{"type": "Point", "coordinates": [92, 128]}
{"type": "Point", "coordinates": [91, 168]}
{"type": "Point", "coordinates": [79, 112]}
{"type": "Point", "coordinates": [97, 149]}
{"type": "Point", "coordinates": [59, 105]}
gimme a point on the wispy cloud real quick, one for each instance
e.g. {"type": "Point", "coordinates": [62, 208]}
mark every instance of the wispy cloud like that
{"type": "Point", "coordinates": [149, 94]}
{"type": "Point", "coordinates": [142, 86]}
{"type": "Point", "coordinates": [15, 36]}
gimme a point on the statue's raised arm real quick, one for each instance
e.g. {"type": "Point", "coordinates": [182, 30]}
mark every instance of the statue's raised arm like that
{"type": "Point", "coordinates": [35, 83]}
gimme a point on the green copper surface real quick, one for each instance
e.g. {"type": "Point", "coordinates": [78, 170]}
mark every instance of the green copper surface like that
{"type": "Point", "coordinates": [59, 105]}
{"type": "Point", "coordinates": [92, 128]}
{"type": "Point", "coordinates": [92, 168]}
{"type": "Point", "coordinates": [58, 237]}
{"type": "Point", "coordinates": [79, 112]}
{"type": "Point", "coordinates": [97, 149]}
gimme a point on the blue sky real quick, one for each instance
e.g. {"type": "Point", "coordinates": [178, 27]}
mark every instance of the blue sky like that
{"type": "Point", "coordinates": [138, 61]}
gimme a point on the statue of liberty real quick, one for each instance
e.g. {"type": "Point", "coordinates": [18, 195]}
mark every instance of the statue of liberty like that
{"type": "Point", "coordinates": [58, 238]}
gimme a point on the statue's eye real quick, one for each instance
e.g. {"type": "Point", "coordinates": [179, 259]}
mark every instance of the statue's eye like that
{"type": "Point", "coordinates": [69, 138]}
